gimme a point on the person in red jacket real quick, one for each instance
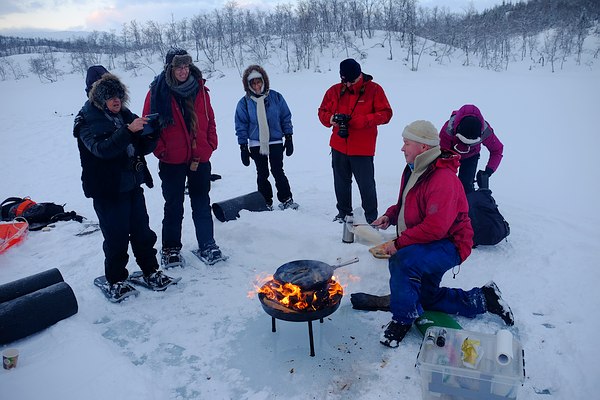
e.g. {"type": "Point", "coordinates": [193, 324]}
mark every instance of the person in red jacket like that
{"type": "Point", "coordinates": [188, 137]}
{"type": "Point", "coordinates": [465, 132]}
{"type": "Point", "coordinates": [434, 234]}
{"type": "Point", "coordinates": [354, 107]}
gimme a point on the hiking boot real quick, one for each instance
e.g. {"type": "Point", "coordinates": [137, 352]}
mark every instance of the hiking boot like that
{"type": "Point", "coordinates": [159, 281]}
{"type": "Point", "coordinates": [289, 203]}
{"type": "Point", "coordinates": [211, 255]}
{"type": "Point", "coordinates": [495, 304]}
{"type": "Point", "coordinates": [393, 334]}
{"type": "Point", "coordinates": [118, 291]}
{"type": "Point", "coordinates": [370, 302]}
{"type": "Point", "coordinates": [171, 257]}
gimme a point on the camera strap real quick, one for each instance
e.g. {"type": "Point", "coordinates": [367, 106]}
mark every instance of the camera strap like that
{"type": "Point", "coordinates": [360, 93]}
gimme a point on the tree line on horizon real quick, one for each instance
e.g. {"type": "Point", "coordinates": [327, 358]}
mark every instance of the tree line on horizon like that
{"type": "Point", "coordinates": [545, 31]}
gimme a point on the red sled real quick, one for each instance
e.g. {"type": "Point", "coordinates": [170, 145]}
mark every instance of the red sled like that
{"type": "Point", "coordinates": [12, 233]}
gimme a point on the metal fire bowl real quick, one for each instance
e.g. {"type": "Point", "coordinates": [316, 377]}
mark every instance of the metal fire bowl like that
{"type": "Point", "coordinates": [279, 311]}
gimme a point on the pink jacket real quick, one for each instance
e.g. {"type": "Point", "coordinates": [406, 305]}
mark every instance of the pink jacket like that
{"type": "Point", "coordinates": [436, 208]}
{"type": "Point", "coordinates": [449, 141]}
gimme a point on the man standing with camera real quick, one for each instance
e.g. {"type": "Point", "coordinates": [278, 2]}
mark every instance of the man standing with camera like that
{"type": "Point", "coordinates": [354, 107]}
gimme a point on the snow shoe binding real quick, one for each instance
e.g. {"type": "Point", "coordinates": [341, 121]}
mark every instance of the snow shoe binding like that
{"type": "Point", "coordinates": [116, 292]}
{"type": "Point", "coordinates": [289, 203]}
{"type": "Point", "coordinates": [171, 257]}
{"type": "Point", "coordinates": [210, 255]}
{"type": "Point", "coordinates": [156, 281]}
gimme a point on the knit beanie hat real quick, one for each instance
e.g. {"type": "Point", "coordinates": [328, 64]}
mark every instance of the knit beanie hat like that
{"type": "Point", "coordinates": [349, 70]}
{"type": "Point", "coordinates": [94, 73]}
{"type": "Point", "coordinates": [177, 57]}
{"type": "Point", "coordinates": [254, 74]}
{"type": "Point", "coordinates": [469, 127]}
{"type": "Point", "coordinates": [422, 132]}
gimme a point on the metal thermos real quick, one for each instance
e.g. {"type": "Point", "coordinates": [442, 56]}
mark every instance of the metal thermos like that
{"type": "Point", "coordinates": [347, 234]}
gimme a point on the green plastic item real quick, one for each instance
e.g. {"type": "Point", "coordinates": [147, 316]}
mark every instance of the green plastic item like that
{"type": "Point", "coordinates": [435, 318]}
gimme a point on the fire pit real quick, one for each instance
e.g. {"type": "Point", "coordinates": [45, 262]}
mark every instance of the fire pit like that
{"type": "Point", "coordinates": [291, 302]}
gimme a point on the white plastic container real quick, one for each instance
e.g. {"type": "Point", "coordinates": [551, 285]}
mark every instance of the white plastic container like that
{"type": "Point", "coordinates": [468, 366]}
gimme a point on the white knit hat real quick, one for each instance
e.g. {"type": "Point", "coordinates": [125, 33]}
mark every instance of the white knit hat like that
{"type": "Point", "coordinates": [254, 74]}
{"type": "Point", "coordinates": [422, 132]}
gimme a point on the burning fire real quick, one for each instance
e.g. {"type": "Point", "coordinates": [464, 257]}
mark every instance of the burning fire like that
{"type": "Point", "coordinates": [293, 297]}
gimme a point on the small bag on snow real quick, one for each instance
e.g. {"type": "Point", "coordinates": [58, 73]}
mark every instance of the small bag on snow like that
{"type": "Point", "coordinates": [489, 226]}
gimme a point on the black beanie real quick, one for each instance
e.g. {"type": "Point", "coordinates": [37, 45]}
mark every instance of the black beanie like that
{"type": "Point", "coordinates": [349, 70]}
{"type": "Point", "coordinates": [469, 127]}
{"type": "Point", "coordinates": [94, 73]}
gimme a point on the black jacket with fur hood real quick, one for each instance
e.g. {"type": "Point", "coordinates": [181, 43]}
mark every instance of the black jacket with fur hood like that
{"type": "Point", "coordinates": [108, 150]}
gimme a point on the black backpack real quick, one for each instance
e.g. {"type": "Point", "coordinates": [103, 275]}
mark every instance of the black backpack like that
{"type": "Point", "coordinates": [489, 226]}
{"type": "Point", "coordinates": [38, 215]}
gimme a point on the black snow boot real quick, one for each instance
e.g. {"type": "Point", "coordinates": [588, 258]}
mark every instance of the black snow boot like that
{"type": "Point", "coordinates": [495, 304]}
{"type": "Point", "coordinates": [370, 302]}
{"type": "Point", "coordinates": [393, 334]}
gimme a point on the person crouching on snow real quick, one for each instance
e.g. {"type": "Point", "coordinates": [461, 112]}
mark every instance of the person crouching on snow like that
{"type": "Point", "coordinates": [112, 154]}
{"type": "Point", "coordinates": [262, 121]}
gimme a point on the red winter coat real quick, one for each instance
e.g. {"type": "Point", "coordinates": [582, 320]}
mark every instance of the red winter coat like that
{"type": "Point", "coordinates": [436, 208]}
{"type": "Point", "coordinates": [175, 143]}
{"type": "Point", "coordinates": [366, 102]}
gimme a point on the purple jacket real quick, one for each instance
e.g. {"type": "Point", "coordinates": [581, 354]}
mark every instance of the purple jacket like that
{"type": "Point", "coordinates": [449, 141]}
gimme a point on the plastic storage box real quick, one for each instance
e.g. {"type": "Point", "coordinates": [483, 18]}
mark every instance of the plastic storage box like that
{"type": "Point", "coordinates": [463, 365]}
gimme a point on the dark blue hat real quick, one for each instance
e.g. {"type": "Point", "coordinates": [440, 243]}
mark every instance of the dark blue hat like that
{"type": "Point", "coordinates": [349, 70]}
{"type": "Point", "coordinates": [94, 73]}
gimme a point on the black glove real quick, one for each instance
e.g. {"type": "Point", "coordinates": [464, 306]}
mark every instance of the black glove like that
{"type": "Point", "coordinates": [245, 153]}
{"type": "Point", "coordinates": [483, 178]}
{"type": "Point", "coordinates": [288, 145]}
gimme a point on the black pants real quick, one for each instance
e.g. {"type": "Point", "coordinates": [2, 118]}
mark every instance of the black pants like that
{"type": "Point", "coordinates": [275, 158]}
{"type": "Point", "coordinates": [466, 172]}
{"type": "Point", "coordinates": [124, 219]}
{"type": "Point", "coordinates": [363, 170]}
{"type": "Point", "coordinates": [173, 177]}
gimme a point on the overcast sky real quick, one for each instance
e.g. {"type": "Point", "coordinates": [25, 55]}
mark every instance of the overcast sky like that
{"type": "Point", "coordinates": [104, 15]}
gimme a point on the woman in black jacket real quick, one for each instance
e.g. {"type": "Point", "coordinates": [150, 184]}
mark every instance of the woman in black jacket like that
{"type": "Point", "coordinates": [112, 149]}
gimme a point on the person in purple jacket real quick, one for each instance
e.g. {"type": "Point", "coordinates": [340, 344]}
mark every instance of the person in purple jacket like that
{"type": "Point", "coordinates": [464, 133]}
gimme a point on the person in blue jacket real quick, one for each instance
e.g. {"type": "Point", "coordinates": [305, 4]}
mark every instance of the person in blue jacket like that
{"type": "Point", "coordinates": [263, 125]}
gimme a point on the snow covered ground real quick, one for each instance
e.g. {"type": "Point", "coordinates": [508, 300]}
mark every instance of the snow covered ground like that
{"type": "Point", "coordinates": [208, 337]}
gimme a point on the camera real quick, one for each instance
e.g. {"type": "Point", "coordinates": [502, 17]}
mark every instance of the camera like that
{"type": "Point", "coordinates": [342, 121]}
{"type": "Point", "coordinates": [136, 164]}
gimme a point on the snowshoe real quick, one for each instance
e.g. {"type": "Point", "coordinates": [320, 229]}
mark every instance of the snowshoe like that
{"type": "Point", "coordinates": [171, 257]}
{"type": "Point", "coordinates": [393, 334]}
{"type": "Point", "coordinates": [289, 203]}
{"type": "Point", "coordinates": [211, 255]}
{"type": "Point", "coordinates": [156, 281]}
{"type": "Point", "coordinates": [116, 292]}
{"type": "Point", "coordinates": [495, 304]}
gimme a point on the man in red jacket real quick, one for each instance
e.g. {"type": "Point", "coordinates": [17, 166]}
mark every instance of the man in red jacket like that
{"type": "Point", "coordinates": [354, 108]}
{"type": "Point", "coordinates": [434, 234]}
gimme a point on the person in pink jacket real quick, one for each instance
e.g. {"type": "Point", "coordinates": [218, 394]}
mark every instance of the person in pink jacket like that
{"type": "Point", "coordinates": [188, 137]}
{"type": "Point", "coordinates": [434, 235]}
{"type": "Point", "coordinates": [464, 133]}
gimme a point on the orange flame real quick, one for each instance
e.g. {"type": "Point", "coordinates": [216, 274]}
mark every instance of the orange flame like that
{"type": "Point", "coordinates": [292, 296]}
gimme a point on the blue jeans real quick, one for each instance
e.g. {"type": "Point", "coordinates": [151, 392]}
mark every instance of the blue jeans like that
{"type": "Point", "coordinates": [415, 275]}
{"type": "Point", "coordinates": [173, 177]}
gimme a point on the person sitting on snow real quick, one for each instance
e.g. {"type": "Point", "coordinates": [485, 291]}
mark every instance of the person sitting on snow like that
{"type": "Point", "coordinates": [434, 234]}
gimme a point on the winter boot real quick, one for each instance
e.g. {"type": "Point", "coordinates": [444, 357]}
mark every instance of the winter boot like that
{"type": "Point", "coordinates": [171, 257]}
{"type": "Point", "coordinates": [393, 334]}
{"type": "Point", "coordinates": [370, 302]}
{"type": "Point", "coordinates": [495, 304]}
{"type": "Point", "coordinates": [158, 281]}
{"type": "Point", "coordinates": [210, 255]}
{"type": "Point", "coordinates": [119, 291]}
{"type": "Point", "coordinates": [289, 203]}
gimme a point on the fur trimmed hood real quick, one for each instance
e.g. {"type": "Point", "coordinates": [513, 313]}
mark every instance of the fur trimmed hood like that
{"type": "Point", "coordinates": [107, 87]}
{"type": "Point", "coordinates": [260, 70]}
